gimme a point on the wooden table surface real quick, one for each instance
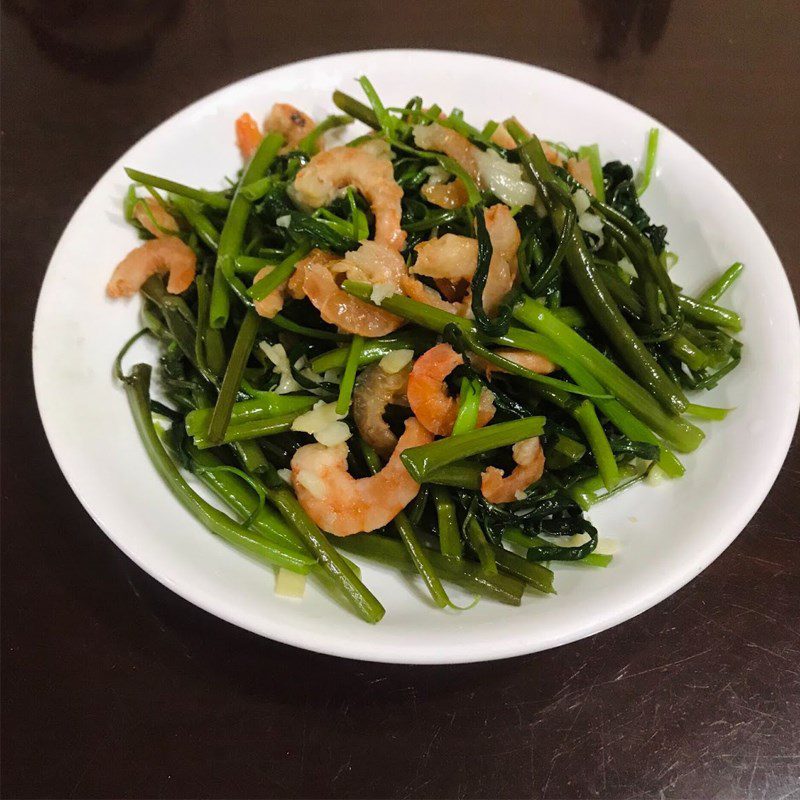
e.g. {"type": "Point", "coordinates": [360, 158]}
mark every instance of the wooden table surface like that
{"type": "Point", "coordinates": [114, 687]}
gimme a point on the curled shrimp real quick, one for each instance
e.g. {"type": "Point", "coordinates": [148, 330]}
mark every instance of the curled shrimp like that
{"type": "Point", "coordinates": [284, 119]}
{"type": "Point", "coordinates": [318, 257]}
{"type": "Point", "coordinates": [525, 358]}
{"type": "Point", "coordinates": [529, 458]}
{"type": "Point", "coordinates": [344, 505]}
{"type": "Point", "coordinates": [154, 218]}
{"type": "Point", "coordinates": [428, 396]}
{"type": "Point", "coordinates": [446, 195]}
{"type": "Point", "coordinates": [505, 238]}
{"type": "Point", "coordinates": [321, 180]}
{"type": "Point", "coordinates": [445, 140]}
{"type": "Point", "coordinates": [166, 255]}
{"type": "Point", "coordinates": [451, 257]}
{"type": "Point", "coordinates": [455, 258]}
{"type": "Point", "coordinates": [270, 305]}
{"type": "Point", "coordinates": [290, 122]}
{"type": "Point", "coordinates": [418, 291]}
{"type": "Point", "coordinates": [315, 279]}
{"type": "Point", "coordinates": [375, 389]}
{"type": "Point", "coordinates": [248, 136]}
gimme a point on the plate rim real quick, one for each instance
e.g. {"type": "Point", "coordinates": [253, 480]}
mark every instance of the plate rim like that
{"type": "Point", "coordinates": [485, 651]}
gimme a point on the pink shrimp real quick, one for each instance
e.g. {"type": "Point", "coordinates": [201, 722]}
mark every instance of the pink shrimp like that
{"type": "Point", "coordinates": [372, 262]}
{"type": "Point", "coordinates": [446, 195]}
{"type": "Point", "coordinates": [340, 308]}
{"type": "Point", "coordinates": [428, 396]}
{"type": "Point", "coordinates": [529, 458]}
{"type": "Point", "coordinates": [418, 291]}
{"type": "Point", "coordinates": [168, 255]}
{"type": "Point", "coordinates": [270, 305]}
{"type": "Point", "coordinates": [445, 140]}
{"type": "Point", "coordinates": [582, 172]}
{"type": "Point", "coordinates": [455, 258]}
{"type": "Point", "coordinates": [525, 358]}
{"type": "Point", "coordinates": [344, 505]}
{"type": "Point", "coordinates": [291, 123]}
{"type": "Point", "coordinates": [153, 217]}
{"type": "Point", "coordinates": [248, 136]}
{"type": "Point", "coordinates": [375, 389]}
{"type": "Point", "coordinates": [321, 180]}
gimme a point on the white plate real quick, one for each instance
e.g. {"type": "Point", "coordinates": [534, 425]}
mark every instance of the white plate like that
{"type": "Point", "coordinates": [667, 534]}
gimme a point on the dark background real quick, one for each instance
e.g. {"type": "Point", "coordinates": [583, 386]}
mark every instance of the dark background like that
{"type": "Point", "coordinates": [114, 687]}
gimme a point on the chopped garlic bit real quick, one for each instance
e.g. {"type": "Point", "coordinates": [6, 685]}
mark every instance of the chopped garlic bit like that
{"type": "Point", "coordinates": [377, 147]}
{"type": "Point", "coordinates": [576, 540]}
{"type": "Point", "coordinates": [323, 423]}
{"type": "Point", "coordinates": [581, 200]}
{"type": "Point", "coordinates": [591, 223]}
{"type": "Point", "coordinates": [606, 547]}
{"type": "Point", "coordinates": [506, 180]}
{"type": "Point", "coordinates": [312, 482]}
{"type": "Point", "coordinates": [290, 584]}
{"type": "Point", "coordinates": [380, 291]}
{"type": "Point", "coordinates": [655, 476]}
{"type": "Point", "coordinates": [317, 418]}
{"type": "Point", "coordinates": [333, 434]}
{"type": "Point", "coordinates": [626, 264]}
{"type": "Point", "coordinates": [283, 222]}
{"type": "Point", "coordinates": [285, 475]}
{"type": "Point", "coordinates": [277, 355]}
{"type": "Point", "coordinates": [395, 361]}
{"type": "Point", "coordinates": [437, 175]}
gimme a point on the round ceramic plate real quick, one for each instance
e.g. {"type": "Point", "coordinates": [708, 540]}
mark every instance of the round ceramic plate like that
{"type": "Point", "coordinates": [667, 534]}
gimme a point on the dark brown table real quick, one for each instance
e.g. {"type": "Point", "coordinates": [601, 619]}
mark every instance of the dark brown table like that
{"type": "Point", "coordinates": [114, 687]}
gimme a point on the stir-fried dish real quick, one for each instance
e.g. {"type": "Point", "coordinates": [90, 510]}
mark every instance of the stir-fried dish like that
{"type": "Point", "coordinates": [434, 347]}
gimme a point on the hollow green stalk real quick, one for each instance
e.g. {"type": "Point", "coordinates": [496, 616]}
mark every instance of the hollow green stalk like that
{"type": "Point", "coordinates": [534, 574]}
{"type": "Point", "coordinates": [405, 531]}
{"type": "Point", "coordinates": [392, 553]}
{"type": "Point", "coordinates": [468, 405]}
{"type": "Point", "coordinates": [713, 292]}
{"type": "Point", "coordinates": [308, 144]}
{"type": "Point", "coordinates": [679, 433]}
{"type": "Point", "coordinates": [202, 225]}
{"type": "Point", "coordinates": [480, 546]}
{"type": "Point", "coordinates": [213, 199]}
{"type": "Point", "coordinates": [372, 351]}
{"type": "Point", "coordinates": [709, 314]}
{"type": "Point", "coordinates": [450, 544]}
{"type": "Point", "coordinates": [266, 405]}
{"type": "Point", "coordinates": [232, 234]}
{"type": "Point", "coordinates": [241, 498]}
{"type": "Point", "coordinates": [349, 375]}
{"type": "Point", "coordinates": [335, 565]}
{"type": "Point", "coordinates": [650, 161]}
{"type": "Point", "coordinates": [232, 380]}
{"type": "Point", "coordinates": [423, 460]}
{"type": "Point", "coordinates": [137, 387]}
{"type": "Point", "coordinates": [252, 429]}
{"type": "Point", "coordinates": [281, 273]}
{"type": "Point", "coordinates": [597, 298]}
{"type": "Point", "coordinates": [592, 153]}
